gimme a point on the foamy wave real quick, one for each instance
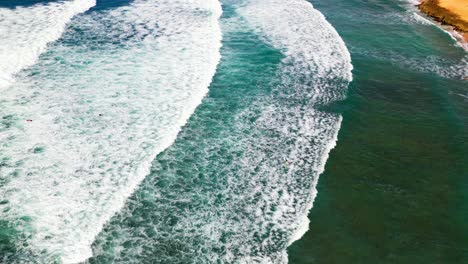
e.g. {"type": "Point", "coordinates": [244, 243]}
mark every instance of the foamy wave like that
{"type": "Point", "coordinates": [80, 128]}
{"type": "Point", "coordinates": [316, 62]}
{"type": "Point", "coordinates": [26, 31]}
{"type": "Point", "coordinates": [304, 35]}
{"type": "Point", "coordinates": [239, 182]}
{"type": "Point", "coordinates": [422, 19]}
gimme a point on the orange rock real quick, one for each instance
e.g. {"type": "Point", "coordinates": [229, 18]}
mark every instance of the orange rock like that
{"type": "Point", "coordinates": [448, 12]}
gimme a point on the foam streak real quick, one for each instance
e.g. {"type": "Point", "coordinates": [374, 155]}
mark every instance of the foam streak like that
{"type": "Point", "coordinates": [26, 31]}
{"type": "Point", "coordinates": [100, 109]}
{"type": "Point", "coordinates": [316, 60]}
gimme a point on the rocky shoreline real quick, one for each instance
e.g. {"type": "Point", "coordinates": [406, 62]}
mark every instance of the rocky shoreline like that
{"type": "Point", "coordinates": [453, 13]}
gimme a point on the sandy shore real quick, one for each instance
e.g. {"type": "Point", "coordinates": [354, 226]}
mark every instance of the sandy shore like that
{"type": "Point", "coordinates": [448, 12]}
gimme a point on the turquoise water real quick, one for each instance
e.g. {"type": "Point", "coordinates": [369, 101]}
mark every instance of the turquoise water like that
{"type": "Point", "coordinates": [227, 189]}
{"type": "Point", "coordinates": [237, 183]}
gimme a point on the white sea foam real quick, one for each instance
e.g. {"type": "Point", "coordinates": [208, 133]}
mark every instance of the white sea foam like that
{"type": "Point", "coordinates": [239, 189]}
{"type": "Point", "coordinates": [303, 226]}
{"type": "Point", "coordinates": [412, 2]}
{"type": "Point", "coordinates": [317, 67]}
{"type": "Point", "coordinates": [26, 31]}
{"type": "Point", "coordinates": [422, 19]}
{"type": "Point", "coordinates": [449, 30]}
{"type": "Point", "coordinates": [419, 17]}
{"type": "Point", "coordinates": [101, 104]}
{"type": "Point", "coordinates": [303, 34]}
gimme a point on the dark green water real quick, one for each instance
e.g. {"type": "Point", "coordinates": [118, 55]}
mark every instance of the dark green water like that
{"type": "Point", "coordinates": [395, 188]}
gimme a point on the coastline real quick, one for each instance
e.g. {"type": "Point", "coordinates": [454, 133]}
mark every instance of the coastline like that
{"type": "Point", "coordinates": [449, 14]}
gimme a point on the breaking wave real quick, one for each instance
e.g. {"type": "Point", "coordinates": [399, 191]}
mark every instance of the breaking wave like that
{"type": "Point", "coordinates": [26, 32]}
{"type": "Point", "coordinates": [80, 128]}
{"type": "Point", "coordinates": [237, 185]}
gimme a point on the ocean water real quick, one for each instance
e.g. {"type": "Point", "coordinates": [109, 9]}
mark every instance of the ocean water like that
{"type": "Point", "coordinates": [395, 187]}
{"type": "Point", "coordinates": [177, 131]}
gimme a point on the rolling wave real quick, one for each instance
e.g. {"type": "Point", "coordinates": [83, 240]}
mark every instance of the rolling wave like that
{"type": "Point", "coordinates": [80, 128]}
{"type": "Point", "coordinates": [316, 71]}
{"type": "Point", "coordinates": [26, 31]}
{"type": "Point", "coordinates": [237, 185]}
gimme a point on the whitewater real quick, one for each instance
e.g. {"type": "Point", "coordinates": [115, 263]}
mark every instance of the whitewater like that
{"type": "Point", "coordinates": [237, 185]}
{"type": "Point", "coordinates": [96, 94]}
{"type": "Point", "coordinates": [26, 31]}
{"type": "Point", "coordinates": [80, 128]}
{"type": "Point", "coordinates": [317, 68]}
